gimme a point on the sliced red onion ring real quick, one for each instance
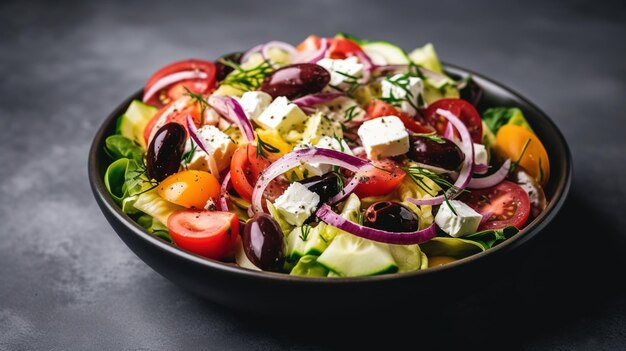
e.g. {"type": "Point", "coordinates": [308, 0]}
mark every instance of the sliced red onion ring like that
{"type": "Point", "coordinates": [232, 110]}
{"type": "Point", "coordinates": [171, 79]}
{"type": "Point", "coordinates": [326, 214]}
{"type": "Point", "coordinates": [485, 218]}
{"type": "Point", "coordinates": [265, 51]}
{"type": "Point", "coordinates": [493, 179]}
{"type": "Point", "coordinates": [368, 65]}
{"type": "Point", "coordinates": [313, 56]}
{"type": "Point", "coordinates": [314, 99]}
{"type": "Point", "coordinates": [449, 132]}
{"type": "Point", "coordinates": [299, 157]}
{"type": "Point", "coordinates": [224, 193]}
{"type": "Point", "coordinates": [250, 52]}
{"type": "Point", "coordinates": [480, 168]}
{"type": "Point", "coordinates": [468, 163]}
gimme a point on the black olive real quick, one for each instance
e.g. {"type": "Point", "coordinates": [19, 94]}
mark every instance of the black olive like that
{"type": "Point", "coordinates": [263, 242]}
{"type": "Point", "coordinates": [222, 70]}
{"type": "Point", "coordinates": [166, 151]}
{"type": "Point", "coordinates": [391, 216]}
{"type": "Point", "coordinates": [326, 186]}
{"type": "Point", "coordinates": [442, 153]}
{"type": "Point", "coordinates": [296, 80]}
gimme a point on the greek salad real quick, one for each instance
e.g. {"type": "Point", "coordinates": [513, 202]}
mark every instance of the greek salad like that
{"type": "Point", "coordinates": [338, 157]}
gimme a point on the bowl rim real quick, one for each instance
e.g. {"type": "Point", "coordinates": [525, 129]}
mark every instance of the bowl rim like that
{"type": "Point", "coordinates": [558, 199]}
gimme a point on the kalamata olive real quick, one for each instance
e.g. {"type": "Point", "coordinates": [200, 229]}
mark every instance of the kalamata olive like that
{"type": "Point", "coordinates": [166, 151]}
{"type": "Point", "coordinates": [442, 152]}
{"type": "Point", "coordinates": [391, 216]}
{"type": "Point", "coordinates": [263, 242]}
{"type": "Point", "coordinates": [222, 70]}
{"type": "Point", "coordinates": [326, 186]}
{"type": "Point", "coordinates": [538, 201]}
{"type": "Point", "coordinates": [296, 80]}
{"type": "Point", "coordinates": [472, 92]}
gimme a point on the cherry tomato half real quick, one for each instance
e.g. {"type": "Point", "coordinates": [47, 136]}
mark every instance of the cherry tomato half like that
{"type": "Point", "coordinates": [378, 108]}
{"type": "Point", "coordinates": [507, 202]}
{"type": "Point", "coordinates": [380, 180]}
{"type": "Point", "coordinates": [176, 90]}
{"type": "Point", "coordinates": [177, 112]}
{"type": "Point", "coordinates": [338, 48]}
{"type": "Point", "coordinates": [211, 234]}
{"type": "Point", "coordinates": [191, 189]}
{"type": "Point", "coordinates": [459, 107]}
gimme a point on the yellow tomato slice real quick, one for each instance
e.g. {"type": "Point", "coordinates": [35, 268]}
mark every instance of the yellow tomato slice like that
{"type": "Point", "coordinates": [191, 189]}
{"type": "Point", "coordinates": [510, 142]}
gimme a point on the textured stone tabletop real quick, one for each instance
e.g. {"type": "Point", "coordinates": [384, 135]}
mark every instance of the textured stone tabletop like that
{"type": "Point", "coordinates": [67, 282]}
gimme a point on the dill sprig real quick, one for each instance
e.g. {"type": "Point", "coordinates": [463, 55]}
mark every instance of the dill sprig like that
{"type": "Point", "coordinates": [349, 113]}
{"type": "Point", "coordinates": [403, 83]}
{"type": "Point", "coordinates": [201, 100]}
{"type": "Point", "coordinates": [519, 159]}
{"type": "Point", "coordinates": [447, 201]}
{"type": "Point", "coordinates": [432, 136]}
{"type": "Point", "coordinates": [352, 83]}
{"type": "Point", "coordinates": [305, 230]}
{"type": "Point", "coordinates": [262, 147]}
{"type": "Point", "coordinates": [417, 175]}
{"type": "Point", "coordinates": [247, 79]}
{"type": "Point", "coordinates": [187, 157]}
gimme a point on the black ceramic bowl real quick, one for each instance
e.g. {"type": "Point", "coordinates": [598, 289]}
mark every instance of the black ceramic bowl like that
{"type": "Point", "coordinates": [249, 290]}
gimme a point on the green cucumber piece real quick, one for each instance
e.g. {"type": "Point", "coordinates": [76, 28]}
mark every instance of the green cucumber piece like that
{"type": "Point", "coordinates": [314, 244]}
{"type": "Point", "coordinates": [307, 266]}
{"type": "Point", "coordinates": [382, 52]}
{"type": "Point", "coordinates": [351, 256]}
{"type": "Point", "coordinates": [426, 57]}
{"type": "Point", "coordinates": [133, 122]}
{"type": "Point", "coordinates": [407, 257]}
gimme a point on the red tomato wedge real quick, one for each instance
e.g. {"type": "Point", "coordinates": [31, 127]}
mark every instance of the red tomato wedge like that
{"type": "Point", "coordinates": [211, 234]}
{"type": "Point", "coordinates": [461, 108]}
{"type": "Point", "coordinates": [175, 90]}
{"type": "Point", "coordinates": [177, 112]}
{"type": "Point", "coordinates": [507, 202]}
{"type": "Point", "coordinates": [378, 108]}
{"type": "Point", "coordinates": [381, 180]}
{"type": "Point", "coordinates": [338, 48]}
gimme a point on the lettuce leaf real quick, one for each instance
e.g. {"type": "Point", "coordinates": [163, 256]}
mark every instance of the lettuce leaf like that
{"type": "Point", "coordinates": [117, 146]}
{"type": "Point", "coordinates": [496, 117]}
{"type": "Point", "coordinates": [490, 238]}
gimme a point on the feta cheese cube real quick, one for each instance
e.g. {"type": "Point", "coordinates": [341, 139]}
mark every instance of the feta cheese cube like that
{"type": "Point", "coordinates": [481, 156]}
{"type": "Point", "coordinates": [319, 126]}
{"type": "Point", "coordinates": [281, 115]}
{"type": "Point", "coordinates": [297, 203]}
{"type": "Point", "coordinates": [405, 88]}
{"type": "Point", "coordinates": [384, 137]}
{"type": "Point", "coordinates": [464, 222]}
{"type": "Point", "coordinates": [254, 102]}
{"type": "Point", "coordinates": [342, 72]}
{"type": "Point", "coordinates": [327, 142]}
{"type": "Point", "coordinates": [219, 146]}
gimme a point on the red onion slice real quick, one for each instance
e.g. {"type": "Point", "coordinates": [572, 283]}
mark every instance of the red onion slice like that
{"type": "Point", "coordinates": [193, 133]}
{"type": "Point", "coordinates": [314, 99]}
{"type": "Point", "coordinates": [485, 218]}
{"type": "Point", "coordinates": [480, 168]}
{"type": "Point", "coordinates": [252, 51]}
{"type": "Point", "coordinates": [224, 193]}
{"type": "Point", "coordinates": [265, 50]}
{"type": "Point", "coordinates": [171, 79]}
{"type": "Point", "coordinates": [493, 179]}
{"type": "Point", "coordinates": [313, 56]}
{"type": "Point", "coordinates": [326, 214]}
{"type": "Point", "coordinates": [299, 157]}
{"type": "Point", "coordinates": [368, 65]}
{"type": "Point", "coordinates": [230, 109]}
{"type": "Point", "coordinates": [468, 163]}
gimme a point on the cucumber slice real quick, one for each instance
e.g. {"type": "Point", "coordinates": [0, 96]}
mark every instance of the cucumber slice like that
{"type": "Point", "coordinates": [351, 256]}
{"type": "Point", "coordinates": [133, 122]}
{"type": "Point", "coordinates": [407, 257]}
{"type": "Point", "coordinates": [382, 52]}
{"type": "Point", "coordinates": [314, 244]}
{"type": "Point", "coordinates": [426, 57]}
{"type": "Point", "coordinates": [308, 266]}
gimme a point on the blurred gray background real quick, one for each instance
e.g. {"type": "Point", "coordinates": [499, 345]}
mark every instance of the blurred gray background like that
{"type": "Point", "coordinates": [68, 282]}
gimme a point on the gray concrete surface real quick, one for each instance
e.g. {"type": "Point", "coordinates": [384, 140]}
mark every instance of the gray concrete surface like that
{"type": "Point", "coordinates": [68, 283]}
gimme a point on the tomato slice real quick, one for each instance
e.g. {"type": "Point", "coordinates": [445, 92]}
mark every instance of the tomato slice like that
{"type": "Point", "coordinates": [338, 48]}
{"type": "Point", "coordinates": [177, 112]}
{"type": "Point", "coordinates": [378, 108]}
{"type": "Point", "coordinates": [211, 234]}
{"type": "Point", "coordinates": [461, 108]}
{"type": "Point", "coordinates": [381, 180]}
{"type": "Point", "coordinates": [176, 90]}
{"type": "Point", "coordinates": [240, 173]}
{"type": "Point", "coordinates": [507, 202]}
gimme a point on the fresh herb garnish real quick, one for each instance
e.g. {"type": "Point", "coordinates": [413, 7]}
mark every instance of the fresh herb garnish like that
{"type": "Point", "coordinates": [262, 147]}
{"type": "Point", "coordinates": [432, 136]}
{"type": "Point", "coordinates": [187, 157]}
{"type": "Point", "coordinates": [417, 174]}
{"type": "Point", "coordinates": [199, 99]}
{"type": "Point", "coordinates": [247, 79]}
{"type": "Point", "coordinates": [521, 155]}
{"type": "Point", "coordinates": [445, 198]}
{"type": "Point", "coordinates": [403, 82]}
{"type": "Point", "coordinates": [349, 113]}
{"type": "Point", "coordinates": [305, 230]}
